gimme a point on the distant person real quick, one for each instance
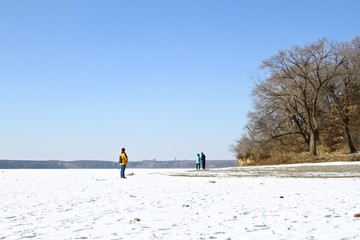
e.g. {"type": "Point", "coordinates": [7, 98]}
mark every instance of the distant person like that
{"type": "Point", "coordinates": [123, 160]}
{"type": "Point", "coordinates": [198, 160]}
{"type": "Point", "coordinates": [203, 160]}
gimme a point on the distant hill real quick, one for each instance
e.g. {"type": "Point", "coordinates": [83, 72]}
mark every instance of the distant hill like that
{"type": "Point", "coordinates": [54, 164]}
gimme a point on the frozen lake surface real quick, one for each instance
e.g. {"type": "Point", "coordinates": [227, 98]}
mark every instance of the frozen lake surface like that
{"type": "Point", "coordinates": [305, 201]}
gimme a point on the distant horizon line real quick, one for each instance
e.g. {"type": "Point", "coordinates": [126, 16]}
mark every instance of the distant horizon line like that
{"type": "Point", "coordinates": [147, 160]}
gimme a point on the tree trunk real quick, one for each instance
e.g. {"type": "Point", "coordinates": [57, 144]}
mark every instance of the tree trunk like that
{"type": "Point", "coordinates": [312, 144]}
{"type": "Point", "coordinates": [349, 140]}
{"type": "Point", "coordinates": [314, 136]}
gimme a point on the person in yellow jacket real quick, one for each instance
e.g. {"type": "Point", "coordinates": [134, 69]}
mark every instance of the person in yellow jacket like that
{"type": "Point", "coordinates": [123, 160]}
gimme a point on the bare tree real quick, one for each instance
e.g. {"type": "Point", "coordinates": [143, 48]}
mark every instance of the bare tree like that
{"type": "Point", "coordinates": [342, 96]}
{"type": "Point", "coordinates": [297, 79]}
{"type": "Point", "coordinates": [308, 94]}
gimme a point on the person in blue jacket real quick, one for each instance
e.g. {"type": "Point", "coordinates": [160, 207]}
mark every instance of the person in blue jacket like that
{"type": "Point", "coordinates": [198, 160]}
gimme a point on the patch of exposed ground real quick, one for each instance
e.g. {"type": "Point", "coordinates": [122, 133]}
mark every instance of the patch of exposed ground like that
{"type": "Point", "coordinates": [349, 170]}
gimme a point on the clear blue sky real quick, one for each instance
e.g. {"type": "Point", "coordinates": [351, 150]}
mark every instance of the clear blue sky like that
{"type": "Point", "coordinates": [165, 79]}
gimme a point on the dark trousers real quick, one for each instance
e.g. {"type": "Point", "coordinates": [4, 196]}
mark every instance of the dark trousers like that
{"type": "Point", "coordinates": [122, 171]}
{"type": "Point", "coordinates": [203, 164]}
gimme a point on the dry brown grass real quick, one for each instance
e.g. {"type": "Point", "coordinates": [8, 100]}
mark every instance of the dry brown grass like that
{"type": "Point", "coordinates": [304, 157]}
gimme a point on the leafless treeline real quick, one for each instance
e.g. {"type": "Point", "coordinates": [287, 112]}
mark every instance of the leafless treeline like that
{"type": "Point", "coordinates": [309, 97]}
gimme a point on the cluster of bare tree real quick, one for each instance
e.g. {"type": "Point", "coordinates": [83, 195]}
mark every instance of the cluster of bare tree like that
{"type": "Point", "coordinates": [309, 97]}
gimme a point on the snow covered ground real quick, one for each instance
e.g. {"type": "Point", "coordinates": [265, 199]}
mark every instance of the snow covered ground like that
{"type": "Point", "coordinates": [305, 201]}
